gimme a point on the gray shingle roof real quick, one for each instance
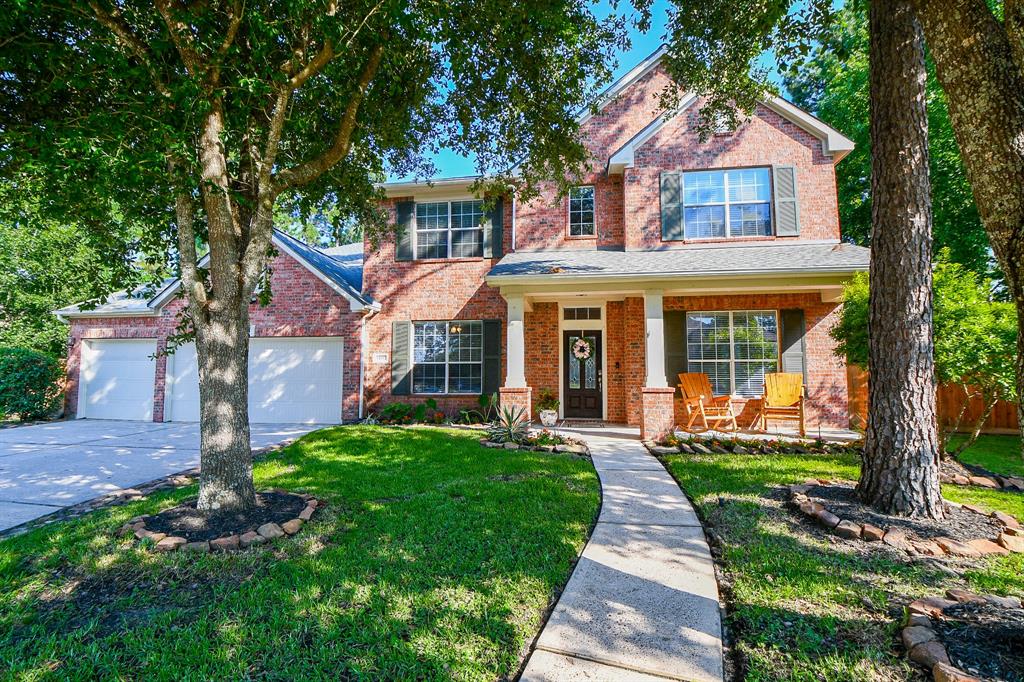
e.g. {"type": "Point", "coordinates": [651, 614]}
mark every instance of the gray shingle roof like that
{"type": "Point", "coordinates": [343, 265]}
{"type": "Point", "coordinates": [689, 261]}
{"type": "Point", "coordinates": [341, 272]}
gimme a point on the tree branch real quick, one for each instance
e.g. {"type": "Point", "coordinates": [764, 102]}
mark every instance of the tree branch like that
{"type": "Point", "coordinates": [234, 21]}
{"type": "Point", "coordinates": [124, 33]}
{"type": "Point", "coordinates": [311, 170]}
{"type": "Point", "coordinates": [181, 36]}
{"type": "Point", "coordinates": [191, 280]}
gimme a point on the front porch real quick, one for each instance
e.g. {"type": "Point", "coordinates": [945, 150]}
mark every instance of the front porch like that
{"type": "Point", "coordinates": [613, 355]}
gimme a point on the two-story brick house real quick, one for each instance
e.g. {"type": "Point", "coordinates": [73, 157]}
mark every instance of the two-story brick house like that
{"type": "Point", "coordinates": [673, 254]}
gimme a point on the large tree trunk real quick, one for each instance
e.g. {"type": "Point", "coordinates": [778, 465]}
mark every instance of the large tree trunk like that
{"type": "Point", "coordinates": [222, 344]}
{"type": "Point", "coordinates": [900, 473]}
{"type": "Point", "coordinates": [980, 64]}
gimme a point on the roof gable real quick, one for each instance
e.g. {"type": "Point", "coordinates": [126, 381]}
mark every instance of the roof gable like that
{"type": "Point", "coordinates": [342, 273]}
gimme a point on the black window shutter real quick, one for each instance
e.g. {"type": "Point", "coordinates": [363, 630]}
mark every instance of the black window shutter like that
{"type": "Point", "coordinates": [405, 212]}
{"type": "Point", "coordinates": [492, 356]}
{"type": "Point", "coordinates": [401, 354]}
{"type": "Point", "coordinates": [493, 230]}
{"type": "Point", "coordinates": [793, 328]}
{"type": "Point", "coordinates": [787, 205]}
{"type": "Point", "coordinates": [675, 346]}
{"type": "Point", "coordinates": [671, 206]}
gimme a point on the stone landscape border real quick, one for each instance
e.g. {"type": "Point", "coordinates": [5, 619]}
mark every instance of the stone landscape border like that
{"type": "Point", "coordinates": [696, 445]}
{"type": "Point", "coordinates": [922, 641]}
{"type": "Point", "coordinates": [228, 543]}
{"type": "Point", "coordinates": [991, 481]}
{"type": "Point", "coordinates": [580, 450]}
{"type": "Point", "coordinates": [1010, 539]}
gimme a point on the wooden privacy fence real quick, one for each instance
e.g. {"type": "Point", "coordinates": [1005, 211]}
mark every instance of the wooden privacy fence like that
{"type": "Point", "coordinates": [950, 398]}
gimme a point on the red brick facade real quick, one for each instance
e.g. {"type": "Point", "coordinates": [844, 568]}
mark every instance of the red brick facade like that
{"type": "Point", "coordinates": [301, 305]}
{"type": "Point", "coordinates": [627, 210]}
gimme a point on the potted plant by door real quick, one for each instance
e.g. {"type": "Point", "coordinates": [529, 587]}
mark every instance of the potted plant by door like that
{"type": "Point", "coordinates": [547, 404]}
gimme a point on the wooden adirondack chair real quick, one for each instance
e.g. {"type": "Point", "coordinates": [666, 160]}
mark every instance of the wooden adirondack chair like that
{"type": "Point", "coordinates": [699, 400]}
{"type": "Point", "coordinates": [783, 399]}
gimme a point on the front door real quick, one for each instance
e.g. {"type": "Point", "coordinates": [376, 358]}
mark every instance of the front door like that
{"type": "Point", "coordinates": [582, 383]}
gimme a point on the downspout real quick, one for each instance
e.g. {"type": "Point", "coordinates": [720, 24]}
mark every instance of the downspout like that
{"type": "Point", "coordinates": [364, 344]}
{"type": "Point", "coordinates": [513, 222]}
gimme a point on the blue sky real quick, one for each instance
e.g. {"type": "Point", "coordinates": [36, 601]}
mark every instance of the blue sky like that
{"type": "Point", "coordinates": [643, 44]}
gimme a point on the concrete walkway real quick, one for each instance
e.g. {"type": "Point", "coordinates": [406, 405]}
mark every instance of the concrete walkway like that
{"type": "Point", "coordinates": [642, 604]}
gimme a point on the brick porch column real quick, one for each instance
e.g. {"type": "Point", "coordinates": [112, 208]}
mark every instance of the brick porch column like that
{"type": "Point", "coordinates": [517, 397]}
{"type": "Point", "coordinates": [515, 392]}
{"type": "Point", "coordinates": [658, 412]}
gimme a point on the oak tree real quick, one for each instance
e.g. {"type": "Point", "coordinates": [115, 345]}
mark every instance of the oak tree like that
{"type": "Point", "coordinates": [199, 116]}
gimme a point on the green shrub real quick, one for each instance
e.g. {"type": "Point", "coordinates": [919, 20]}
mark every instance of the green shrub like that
{"type": "Point", "coordinates": [511, 426]}
{"type": "Point", "coordinates": [30, 383]}
{"type": "Point", "coordinates": [547, 400]}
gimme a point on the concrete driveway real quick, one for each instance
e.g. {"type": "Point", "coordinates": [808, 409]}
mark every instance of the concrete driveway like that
{"type": "Point", "coordinates": [49, 466]}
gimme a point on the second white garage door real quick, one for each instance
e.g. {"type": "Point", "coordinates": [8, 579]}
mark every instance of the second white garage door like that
{"type": "Point", "coordinates": [291, 380]}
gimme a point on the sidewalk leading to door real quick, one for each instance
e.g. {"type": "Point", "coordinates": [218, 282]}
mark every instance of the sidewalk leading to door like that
{"type": "Point", "coordinates": [642, 604]}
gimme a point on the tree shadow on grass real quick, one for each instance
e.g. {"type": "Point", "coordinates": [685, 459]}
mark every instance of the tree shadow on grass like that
{"type": "Point", "coordinates": [434, 558]}
{"type": "Point", "coordinates": [804, 604]}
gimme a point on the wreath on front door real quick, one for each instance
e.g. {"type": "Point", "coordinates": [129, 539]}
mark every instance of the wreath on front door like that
{"type": "Point", "coordinates": [581, 350]}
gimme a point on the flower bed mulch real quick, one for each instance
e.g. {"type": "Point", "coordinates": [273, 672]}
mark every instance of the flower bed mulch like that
{"type": "Point", "coordinates": [958, 473]}
{"type": "Point", "coordinates": [277, 513]}
{"type": "Point", "coordinates": [967, 531]}
{"type": "Point", "coordinates": [967, 637]}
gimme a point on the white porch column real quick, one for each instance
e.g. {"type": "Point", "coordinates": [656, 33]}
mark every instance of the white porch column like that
{"type": "Point", "coordinates": [655, 329]}
{"type": "Point", "coordinates": [515, 345]}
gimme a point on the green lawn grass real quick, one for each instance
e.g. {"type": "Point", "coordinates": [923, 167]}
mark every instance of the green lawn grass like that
{"type": "Point", "coordinates": [998, 454]}
{"type": "Point", "coordinates": [434, 559]}
{"type": "Point", "coordinates": [804, 608]}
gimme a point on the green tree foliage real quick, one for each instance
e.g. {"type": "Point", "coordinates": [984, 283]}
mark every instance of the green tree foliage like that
{"type": "Point", "coordinates": [47, 264]}
{"type": "Point", "coordinates": [200, 118]}
{"type": "Point", "coordinates": [975, 339]}
{"type": "Point", "coordinates": [832, 82]}
{"type": "Point", "coordinates": [30, 383]}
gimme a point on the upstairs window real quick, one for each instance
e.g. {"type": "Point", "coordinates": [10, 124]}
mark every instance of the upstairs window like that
{"type": "Point", "coordinates": [450, 229]}
{"type": "Point", "coordinates": [581, 211]}
{"type": "Point", "coordinates": [727, 203]}
{"type": "Point", "coordinates": [448, 357]}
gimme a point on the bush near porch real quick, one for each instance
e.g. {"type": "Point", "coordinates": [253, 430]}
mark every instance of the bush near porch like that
{"type": "Point", "coordinates": [434, 558]}
{"type": "Point", "coordinates": [804, 608]}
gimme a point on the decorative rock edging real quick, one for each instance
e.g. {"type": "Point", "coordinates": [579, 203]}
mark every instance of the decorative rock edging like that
{"type": "Point", "coordinates": [991, 481]}
{"type": "Point", "coordinates": [580, 450]}
{"type": "Point", "coordinates": [922, 641]}
{"type": "Point", "coordinates": [227, 543]}
{"type": "Point", "coordinates": [126, 495]}
{"type": "Point", "coordinates": [1011, 539]}
{"type": "Point", "coordinates": [696, 445]}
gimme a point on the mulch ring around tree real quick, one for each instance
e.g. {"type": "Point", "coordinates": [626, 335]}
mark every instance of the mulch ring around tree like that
{"type": "Point", "coordinates": [277, 513]}
{"type": "Point", "coordinates": [966, 531]}
{"type": "Point", "coordinates": [957, 473]}
{"type": "Point", "coordinates": [967, 637]}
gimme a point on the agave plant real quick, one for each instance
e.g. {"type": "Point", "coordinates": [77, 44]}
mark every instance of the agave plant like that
{"type": "Point", "coordinates": [510, 426]}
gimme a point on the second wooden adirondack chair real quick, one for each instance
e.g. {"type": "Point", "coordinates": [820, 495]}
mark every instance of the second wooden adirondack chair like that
{"type": "Point", "coordinates": [783, 399]}
{"type": "Point", "coordinates": [699, 400]}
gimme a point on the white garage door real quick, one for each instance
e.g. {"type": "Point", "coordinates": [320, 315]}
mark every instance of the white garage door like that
{"type": "Point", "coordinates": [116, 379]}
{"type": "Point", "coordinates": [291, 380]}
